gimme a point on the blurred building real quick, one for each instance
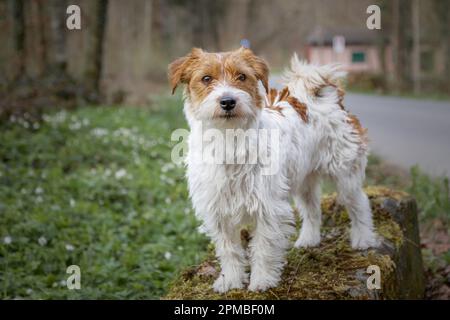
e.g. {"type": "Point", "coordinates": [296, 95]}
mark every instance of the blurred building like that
{"type": "Point", "coordinates": [358, 50]}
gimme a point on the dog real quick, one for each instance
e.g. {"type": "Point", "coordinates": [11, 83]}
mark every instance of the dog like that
{"type": "Point", "coordinates": [317, 138]}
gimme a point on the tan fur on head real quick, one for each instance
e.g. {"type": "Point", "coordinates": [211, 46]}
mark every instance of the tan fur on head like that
{"type": "Point", "coordinates": [181, 69]}
{"type": "Point", "coordinates": [221, 66]}
{"type": "Point", "coordinates": [258, 64]}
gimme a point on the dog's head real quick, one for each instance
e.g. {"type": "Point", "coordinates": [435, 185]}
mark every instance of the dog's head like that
{"type": "Point", "coordinates": [221, 87]}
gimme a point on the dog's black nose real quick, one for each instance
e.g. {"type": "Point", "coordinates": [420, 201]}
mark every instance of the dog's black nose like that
{"type": "Point", "coordinates": [227, 103]}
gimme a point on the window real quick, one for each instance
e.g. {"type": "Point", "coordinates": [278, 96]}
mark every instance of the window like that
{"type": "Point", "coordinates": [358, 57]}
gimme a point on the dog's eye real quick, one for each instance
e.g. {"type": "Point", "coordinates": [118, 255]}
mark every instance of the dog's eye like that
{"type": "Point", "coordinates": [242, 77]}
{"type": "Point", "coordinates": [206, 79]}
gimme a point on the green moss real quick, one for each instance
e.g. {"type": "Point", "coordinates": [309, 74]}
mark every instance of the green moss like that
{"type": "Point", "coordinates": [331, 271]}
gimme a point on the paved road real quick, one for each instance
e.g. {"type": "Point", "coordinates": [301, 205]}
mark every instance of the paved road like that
{"type": "Point", "coordinates": [405, 131]}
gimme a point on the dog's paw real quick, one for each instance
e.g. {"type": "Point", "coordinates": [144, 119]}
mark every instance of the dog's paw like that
{"type": "Point", "coordinates": [225, 283]}
{"type": "Point", "coordinates": [260, 285]}
{"type": "Point", "coordinates": [364, 240]}
{"type": "Point", "coordinates": [305, 241]}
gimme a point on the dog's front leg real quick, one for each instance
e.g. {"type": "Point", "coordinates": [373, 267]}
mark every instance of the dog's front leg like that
{"type": "Point", "coordinates": [268, 248]}
{"type": "Point", "coordinates": [232, 257]}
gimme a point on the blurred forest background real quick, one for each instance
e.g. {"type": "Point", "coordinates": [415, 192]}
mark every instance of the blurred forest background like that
{"type": "Point", "coordinates": [121, 53]}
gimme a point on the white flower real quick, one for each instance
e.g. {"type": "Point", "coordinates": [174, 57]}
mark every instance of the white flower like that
{"type": "Point", "coordinates": [70, 247]}
{"type": "Point", "coordinates": [99, 132]}
{"type": "Point", "coordinates": [167, 255]}
{"type": "Point", "coordinates": [120, 173]}
{"type": "Point", "coordinates": [29, 291]}
{"type": "Point", "coordinates": [75, 125]}
{"type": "Point", "coordinates": [7, 240]}
{"type": "Point", "coordinates": [39, 190]}
{"type": "Point", "coordinates": [72, 203]}
{"type": "Point", "coordinates": [168, 200]}
{"type": "Point", "coordinates": [42, 241]}
{"type": "Point", "coordinates": [60, 117]}
{"type": "Point", "coordinates": [167, 167]}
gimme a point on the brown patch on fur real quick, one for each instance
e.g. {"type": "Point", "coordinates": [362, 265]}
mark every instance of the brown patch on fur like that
{"type": "Point", "coordinates": [272, 100]}
{"type": "Point", "coordinates": [271, 96]}
{"type": "Point", "coordinates": [300, 107]}
{"type": "Point", "coordinates": [284, 95]}
{"type": "Point", "coordinates": [336, 85]}
{"type": "Point", "coordinates": [341, 94]}
{"type": "Point", "coordinates": [357, 128]}
{"type": "Point", "coordinates": [180, 71]}
{"type": "Point", "coordinates": [258, 64]}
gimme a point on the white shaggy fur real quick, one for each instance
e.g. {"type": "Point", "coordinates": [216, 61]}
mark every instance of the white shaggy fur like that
{"type": "Point", "coordinates": [227, 197]}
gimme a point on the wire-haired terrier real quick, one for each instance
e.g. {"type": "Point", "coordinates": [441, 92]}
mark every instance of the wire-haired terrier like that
{"type": "Point", "coordinates": [317, 138]}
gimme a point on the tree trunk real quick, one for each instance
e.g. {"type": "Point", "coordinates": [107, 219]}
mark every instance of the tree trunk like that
{"type": "Point", "coordinates": [57, 56]}
{"type": "Point", "coordinates": [94, 55]}
{"type": "Point", "coordinates": [395, 44]}
{"type": "Point", "coordinates": [404, 47]}
{"type": "Point", "coordinates": [415, 16]}
{"type": "Point", "coordinates": [19, 34]}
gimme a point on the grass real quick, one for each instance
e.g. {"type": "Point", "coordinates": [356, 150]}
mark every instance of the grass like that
{"type": "Point", "coordinates": [95, 187]}
{"type": "Point", "coordinates": [432, 194]}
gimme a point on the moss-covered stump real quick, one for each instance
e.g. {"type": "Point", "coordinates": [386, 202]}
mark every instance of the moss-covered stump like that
{"type": "Point", "coordinates": [334, 270]}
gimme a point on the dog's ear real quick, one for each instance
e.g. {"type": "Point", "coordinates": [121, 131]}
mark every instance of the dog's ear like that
{"type": "Point", "coordinates": [179, 70]}
{"type": "Point", "coordinates": [259, 65]}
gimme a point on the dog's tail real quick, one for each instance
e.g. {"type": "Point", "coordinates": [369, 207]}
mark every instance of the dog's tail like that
{"type": "Point", "coordinates": [307, 81]}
